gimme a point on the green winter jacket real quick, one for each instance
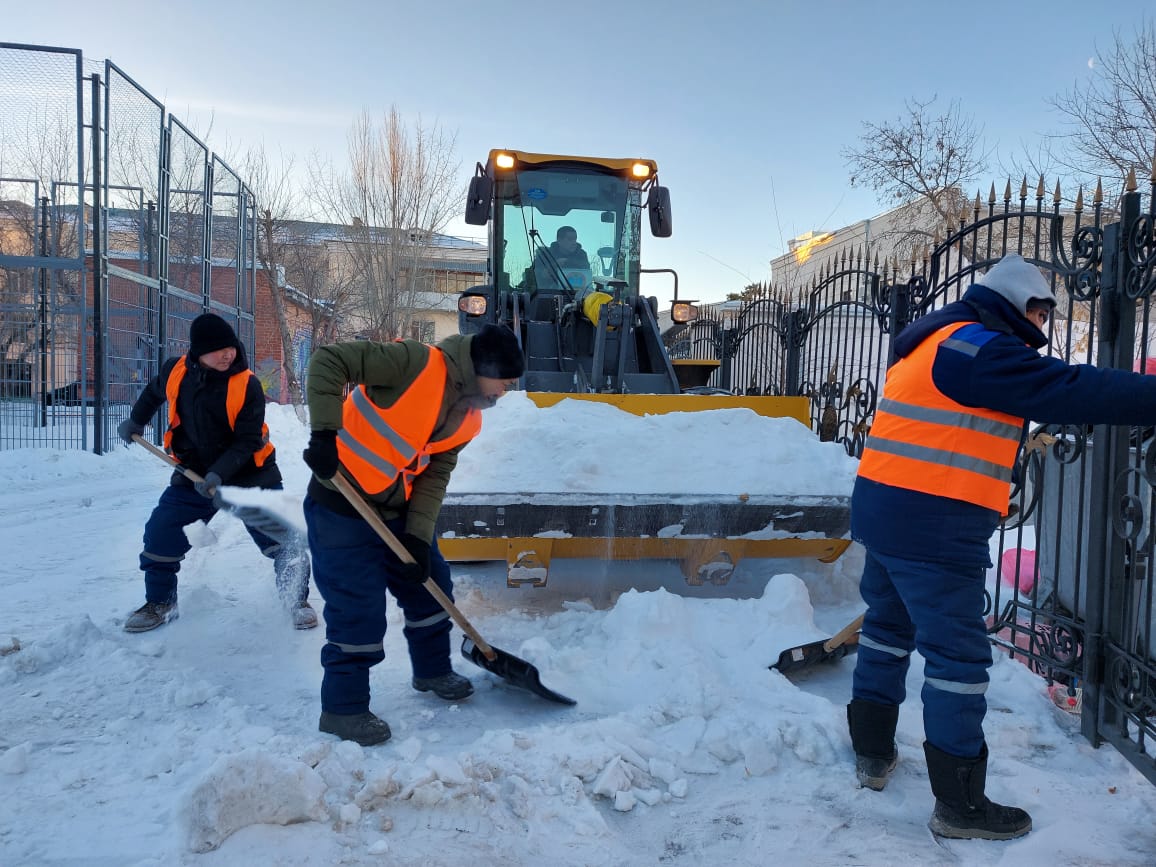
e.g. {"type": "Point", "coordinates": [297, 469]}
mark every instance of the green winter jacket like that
{"type": "Point", "coordinates": [387, 370]}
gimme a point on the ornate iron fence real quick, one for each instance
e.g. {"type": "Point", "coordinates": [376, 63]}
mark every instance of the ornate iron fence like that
{"type": "Point", "coordinates": [118, 226]}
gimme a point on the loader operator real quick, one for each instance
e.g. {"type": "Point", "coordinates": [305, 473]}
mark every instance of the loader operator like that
{"type": "Point", "coordinates": [550, 264]}
{"type": "Point", "coordinates": [932, 485]}
{"type": "Point", "coordinates": [396, 437]}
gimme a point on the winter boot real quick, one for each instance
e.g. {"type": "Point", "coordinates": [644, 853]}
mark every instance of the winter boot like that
{"type": "Point", "coordinates": [366, 728]}
{"type": "Point", "coordinates": [962, 811]}
{"type": "Point", "coordinates": [873, 739]}
{"type": "Point", "coordinates": [451, 687]}
{"type": "Point", "coordinates": [150, 616]}
{"type": "Point", "coordinates": [304, 617]}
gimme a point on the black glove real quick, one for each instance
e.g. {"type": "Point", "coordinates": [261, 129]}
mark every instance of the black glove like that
{"type": "Point", "coordinates": [321, 455]}
{"type": "Point", "coordinates": [417, 571]}
{"type": "Point", "coordinates": [127, 428]}
{"type": "Point", "coordinates": [208, 485]}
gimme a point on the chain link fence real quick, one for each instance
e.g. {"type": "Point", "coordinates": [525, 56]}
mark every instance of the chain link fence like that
{"type": "Point", "coordinates": [118, 226]}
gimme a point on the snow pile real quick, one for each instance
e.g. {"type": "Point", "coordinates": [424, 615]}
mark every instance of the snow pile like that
{"type": "Point", "coordinates": [580, 445]}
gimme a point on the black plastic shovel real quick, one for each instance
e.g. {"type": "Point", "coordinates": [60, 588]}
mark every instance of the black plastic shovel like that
{"type": "Point", "coordinates": [505, 665]}
{"type": "Point", "coordinates": [842, 643]}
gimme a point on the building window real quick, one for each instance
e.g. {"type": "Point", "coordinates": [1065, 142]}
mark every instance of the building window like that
{"type": "Point", "coordinates": [422, 330]}
{"type": "Point", "coordinates": [456, 282]}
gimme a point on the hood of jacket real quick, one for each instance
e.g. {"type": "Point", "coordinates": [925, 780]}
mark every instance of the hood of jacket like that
{"type": "Point", "coordinates": [978, 304]}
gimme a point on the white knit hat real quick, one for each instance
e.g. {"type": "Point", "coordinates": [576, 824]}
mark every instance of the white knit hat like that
{"type": "Point", "coordinates": [1019, 282]}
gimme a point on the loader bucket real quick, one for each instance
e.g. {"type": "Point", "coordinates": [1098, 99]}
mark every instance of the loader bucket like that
{"type": "Point", "coordinates": [707, 534]}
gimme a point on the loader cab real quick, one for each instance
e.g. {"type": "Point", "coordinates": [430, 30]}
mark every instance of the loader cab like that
{"type": "Point", "coordinates": [562, 228]}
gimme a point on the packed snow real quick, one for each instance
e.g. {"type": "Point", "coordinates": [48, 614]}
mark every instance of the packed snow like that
{"type": "Point", "coordinates": [198, 743]}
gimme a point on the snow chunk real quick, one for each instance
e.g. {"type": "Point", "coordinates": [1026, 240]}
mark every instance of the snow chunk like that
{"type": "Point", "coordinates": [624, 801]}
{"type": "Point", "coordinates": [15, 760]}
{"type": "Point", "coordinates": [251, 788]}
{"type": "Point", "coordinates": [614, 779]}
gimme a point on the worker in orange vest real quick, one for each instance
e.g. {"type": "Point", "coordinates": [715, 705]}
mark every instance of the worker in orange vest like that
{"type": "Point", "coordinates": [396, 436]}
{"type": "Point", "coordinates": [932, 486]}
{"type": "Point", "coordinates": [216, 428]}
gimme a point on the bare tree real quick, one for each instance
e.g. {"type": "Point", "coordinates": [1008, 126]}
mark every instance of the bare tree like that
{"type": "Point", "coordinates": [275, 200]}
{"type": "Point", "coordinates": [400, 190]}
{"type": "Point", "coordinates": [1113, 116]}
{"type": "Point", "coordinates": [920, 158]}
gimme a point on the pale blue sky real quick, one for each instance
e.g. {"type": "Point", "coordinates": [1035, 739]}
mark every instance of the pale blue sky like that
{"type": "Point", "coordinates": [745, 105]}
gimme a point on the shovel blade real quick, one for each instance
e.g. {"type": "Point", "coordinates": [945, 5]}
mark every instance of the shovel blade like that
{"type": "Point", "coordinates": [513, 670]}
{"type": "Point", "coordinates": [807, 655]}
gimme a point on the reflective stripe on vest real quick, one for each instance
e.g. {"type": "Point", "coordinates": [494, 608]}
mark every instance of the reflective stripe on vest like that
{"type": "Point", "coordinates": [377, 445]}
{"type": "Point", "coordinates": [235, 399]}
{"type": "Point", "coordinates": [922, 440]}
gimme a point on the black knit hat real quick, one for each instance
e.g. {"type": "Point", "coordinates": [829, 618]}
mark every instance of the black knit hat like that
{"type": "Point", "coordinates": [208, 333]}
{"type": "Point", "coordinates": [495, 353]}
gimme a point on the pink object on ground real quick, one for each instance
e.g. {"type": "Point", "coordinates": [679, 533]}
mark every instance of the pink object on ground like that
{"type": "Point", "coordinates": [1026, 579]}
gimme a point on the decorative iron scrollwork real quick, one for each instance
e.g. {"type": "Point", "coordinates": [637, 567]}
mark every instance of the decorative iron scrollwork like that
{"type": "Point", "coordinates": [1140, 250]}
{"type": "Point", "coordinates": [1130, 684]}
{"type": "Point", "coordinates": [1064, 644]}
{"type": "Point", "coordinates": [842, 413]}
{"type": "Point", "coordinates": [1081, 271]}
{"type": "Point", "coordinates": [1130, 495]}
{"type": "Point", "coordinates": [1067, 442]}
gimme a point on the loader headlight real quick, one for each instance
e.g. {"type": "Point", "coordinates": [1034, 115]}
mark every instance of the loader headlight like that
{"type": "Point", "coordinates": [472, 305]}
{"type": "Point", "coordinates": [640, 170]}
{"type": "Point", "coordinates": [504, 161]}
{"type": "Point", "coordinates": [683, 312]}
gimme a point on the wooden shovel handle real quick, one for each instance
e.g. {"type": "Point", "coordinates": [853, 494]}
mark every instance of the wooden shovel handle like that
{"type": "Point", "coordinates": [374, 520]}
{"type": "Point", "coordinates": [841, 637]}
{"type": "Point", "coordinates": [167, 458]}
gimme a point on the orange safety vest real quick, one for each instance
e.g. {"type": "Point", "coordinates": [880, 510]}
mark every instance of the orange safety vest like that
{"type": "Point", "coordinates": [377, 445]}
{"type": "Point", "coordinates": [238, 384]}
{"type": "Point", "coordinates": [922, 440]}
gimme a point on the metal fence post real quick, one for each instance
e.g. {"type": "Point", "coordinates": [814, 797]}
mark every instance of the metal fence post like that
{"type": "Point", "coordinates": [792, 341]}
{"type": "Point", "coordinates": [99, 287]}
{"type": "Point", "coordinates": [42, 314]}
{"type": "Point", "coordinates": [898, 313]}
{"type": "Point", "coordinates": [1109, 457]}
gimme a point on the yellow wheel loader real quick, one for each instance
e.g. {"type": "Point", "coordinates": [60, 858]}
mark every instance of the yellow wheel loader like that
{"type": "Point", "coordinates": [563, 274]}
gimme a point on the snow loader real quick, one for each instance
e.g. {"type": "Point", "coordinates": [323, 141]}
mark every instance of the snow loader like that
{"type": "Point", "coordinates": [588, 333]}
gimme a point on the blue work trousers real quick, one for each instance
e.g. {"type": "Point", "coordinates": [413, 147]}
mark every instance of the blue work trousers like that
{"type": "Point", "coordinates": [353, 568]}
{"type": "Point", "coordinates": [936, 608]}
{"type": "Point", "coordinates": [165, 543]}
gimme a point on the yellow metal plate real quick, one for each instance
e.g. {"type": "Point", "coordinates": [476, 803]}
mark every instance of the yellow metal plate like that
{"type": "Point", "coordinates": [798, 408]}
{"type": "Point", "coordinates": [510, 549]}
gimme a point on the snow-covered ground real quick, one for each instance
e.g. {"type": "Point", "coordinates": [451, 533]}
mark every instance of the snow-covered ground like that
{"type": "Point", "coordinates": [197, 743]}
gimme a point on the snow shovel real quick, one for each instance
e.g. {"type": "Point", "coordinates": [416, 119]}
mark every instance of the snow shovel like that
{"type": "Point", "coordinates": [254, 517]}
{"type": "Point", "coordinates": [843, 642]}
{"type": "Point", "coordinates": [510, 668]}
